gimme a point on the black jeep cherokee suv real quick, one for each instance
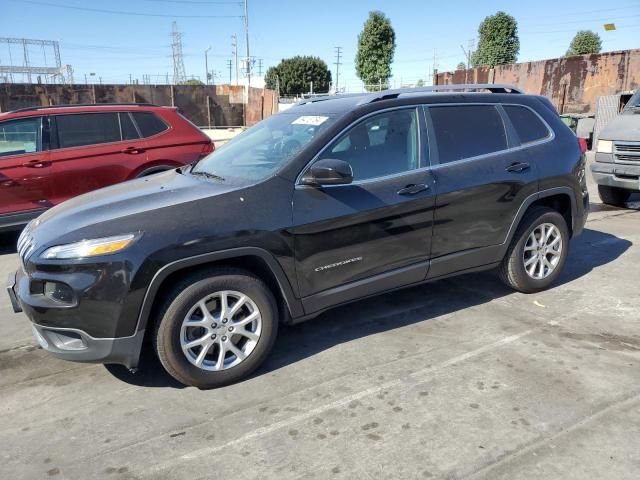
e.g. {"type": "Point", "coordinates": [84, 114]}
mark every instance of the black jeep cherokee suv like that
{"type": "Point", "coordinates": [336, 199]}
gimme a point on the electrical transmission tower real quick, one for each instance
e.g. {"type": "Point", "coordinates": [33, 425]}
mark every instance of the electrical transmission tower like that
{"type": "Point", "coordinates": [27, 67]}
{"type": "Point", "coordinates": [337, 63]}
{"type": "Point", "coordinates": [179, 74]}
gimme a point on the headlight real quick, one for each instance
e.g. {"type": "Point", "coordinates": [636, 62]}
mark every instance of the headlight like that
{"type": "Point", "coordinates": [604, 146]}
{"type": "Point", "coordinates": [90, 248]}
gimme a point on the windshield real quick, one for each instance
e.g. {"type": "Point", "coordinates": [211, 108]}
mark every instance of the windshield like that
{"type": "Point", "coordinates": [633, 106]}
{"type": "Point", "coordinates": [261, 150]}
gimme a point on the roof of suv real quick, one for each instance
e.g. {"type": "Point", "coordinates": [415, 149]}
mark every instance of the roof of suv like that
{"type": "Point", "coordinates": [344, 103]}
{"type": "Point", "coordinates": [91, 107]}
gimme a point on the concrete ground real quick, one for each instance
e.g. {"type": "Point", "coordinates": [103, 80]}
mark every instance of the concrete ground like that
{"type": "Point", "coordinates": [458, 379]}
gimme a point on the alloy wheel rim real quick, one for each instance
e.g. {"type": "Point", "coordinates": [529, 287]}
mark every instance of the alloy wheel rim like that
{"type": "Point", "coordinates": [221, 330]}
{"type": "Point", "coordinates": [543, 251]}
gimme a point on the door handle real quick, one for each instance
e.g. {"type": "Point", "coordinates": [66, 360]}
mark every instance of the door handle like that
{"type": "Point", "coordinates": [518, 167]}
{"type": "Point", "coordinates": [37, 164]}
{"type": "Point", "coordinates": [413, 188]}
{"type": "Point", "coordinates": [132, 150]}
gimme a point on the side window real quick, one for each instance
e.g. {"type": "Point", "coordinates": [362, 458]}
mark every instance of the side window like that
{"type": "Point", "coordinates": [149, 124]}
{"type": "Point", "coordinates": [20, 136]}
{"type": "Point", "coordinates": [467, 131]}
{"type": "Point", "coordinates": [129, 131]}
{"type": "Point", "coordinates": [526, 123]}
{"type": "Point", "coordinates": [384, 144]}
{"type": "Point", "coordinates": [76, 130]}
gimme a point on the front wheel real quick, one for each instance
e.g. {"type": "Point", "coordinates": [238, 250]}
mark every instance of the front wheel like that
{"type": "Point", "coordinates": [537, 252]}
{"type": "Point", "coordinates": [613, 195]}
{"type": "Point", "coordinates": [217, 330]}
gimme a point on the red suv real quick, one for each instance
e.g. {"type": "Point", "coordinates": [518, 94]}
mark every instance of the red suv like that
{"type": "Point", "coordinates": [50, 154]}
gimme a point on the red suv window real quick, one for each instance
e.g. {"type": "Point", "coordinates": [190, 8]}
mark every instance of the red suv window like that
{"type": "Point", "coordinates": [87, 129]}
{"type": "Point", "coordinates": [149, 124]}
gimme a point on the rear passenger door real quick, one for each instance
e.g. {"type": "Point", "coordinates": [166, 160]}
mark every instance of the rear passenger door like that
{"type": "Point", "coordinates": [482, 177]}
{"type": "Point", "coordinates": [94, 150]}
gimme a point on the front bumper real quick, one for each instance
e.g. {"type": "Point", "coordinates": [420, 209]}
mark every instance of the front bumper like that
{"type": "Point", "coordinates": [606, 172]}
{"type": "Point", "coordinates": [77, 346]}
{"type": "Point", "coordinates": [73, 344]}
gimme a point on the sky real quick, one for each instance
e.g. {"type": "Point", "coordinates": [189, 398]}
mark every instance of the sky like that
{"type": "Point", "coordinates": [132, 37]}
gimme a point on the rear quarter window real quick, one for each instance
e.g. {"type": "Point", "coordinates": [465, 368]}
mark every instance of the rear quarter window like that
{"type": "Point", "coordinates": [527, 124]}
{"type": "Point", "coordinates": [466, 131]}
{"type": "Point", "coordinates": [149, 123]}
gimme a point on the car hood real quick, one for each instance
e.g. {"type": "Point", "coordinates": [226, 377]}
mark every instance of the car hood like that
{"type": "Point", "coordinates": [625, 127]}
{"type": "Point", "coordinates": [128, 202]}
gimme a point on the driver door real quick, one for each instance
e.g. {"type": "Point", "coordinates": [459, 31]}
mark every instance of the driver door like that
{"type": "Point", "coordinates": [375, 233]}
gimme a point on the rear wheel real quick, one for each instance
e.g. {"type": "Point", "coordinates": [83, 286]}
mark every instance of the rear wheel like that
{"type": "Point", "coordinates": [217, 330]}
{"type": "Point", "coordinates": [537, 252]}
{"type": "Point", "coordinates": [613, 195]}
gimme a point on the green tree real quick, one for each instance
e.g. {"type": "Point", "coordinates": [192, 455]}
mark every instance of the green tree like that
{"type": "Point", "coordinates": [191, 81]}
{"type": "Point", "coordinates": [461, 66]}
{"type": "Point", "coordinates": [585, 42]}
{"type": "Point", "coordinates": [420, 83]}
{"type": "Point", "coordinates": [376, 47]}
{"type": "Point", "coordinates": [296, 74]}
{"type": "Point", "coordinates": [499, 43]}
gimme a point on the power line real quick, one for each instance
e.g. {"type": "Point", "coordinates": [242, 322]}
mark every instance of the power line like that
{"type": "Point", "coordinates": [197, 2]}
{"type": "Point", "coordinates": [120, 12]}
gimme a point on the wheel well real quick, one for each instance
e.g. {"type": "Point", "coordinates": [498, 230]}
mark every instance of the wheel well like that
{"type": "Point", "coordinates": [252, 264]}
{"type": "Point", "coordinates": [561, 203]}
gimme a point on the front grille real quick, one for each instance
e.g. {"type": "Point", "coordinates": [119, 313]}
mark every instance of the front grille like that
{"type": "Point", "coordinates": [628, 158]}
{"type": "Point", "coordinates": [628, 147]}
{"type": "Point", "coordinates": [25, 245]}
{"type": "Point", "coordinates": [627, 152]}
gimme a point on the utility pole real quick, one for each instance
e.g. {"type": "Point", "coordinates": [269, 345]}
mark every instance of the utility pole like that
{"type": "Point", "coordinates": [468, 52]}
{"type": "Point", "coordinates": [259, 67]}
{"type": "Point", "coordinates": [230, 65]}
{"type": "Point", "coordinates": [337, 64]}
{"type": "Point", "coordinates": [246, 33]}
{"type": "Point", "coordinates": [435, 68]}
{"type": "Point", "coordinates": [234, 45]}
{"type": "Point", "coordinates": [206, 65]}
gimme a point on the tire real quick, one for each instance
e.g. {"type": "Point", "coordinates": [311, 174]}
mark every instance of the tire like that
{"type": "Point", "coordinates": [613, 195]}
{"type": "Point", "coordinates": [524, 248]}
{"type": "Point", "coordinates": [183, 307]}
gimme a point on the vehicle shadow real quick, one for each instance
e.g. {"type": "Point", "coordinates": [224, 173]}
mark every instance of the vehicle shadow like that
{"type": "Point", "coordinates": [395, 310]}
{"type": "Point", "coordinates": [425, 302]}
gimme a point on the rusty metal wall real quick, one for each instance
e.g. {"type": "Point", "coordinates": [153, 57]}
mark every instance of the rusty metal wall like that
{"type": "Point", "coordinates": [226, 103]}
{"type": "Point", "coordinates": [572, 83]}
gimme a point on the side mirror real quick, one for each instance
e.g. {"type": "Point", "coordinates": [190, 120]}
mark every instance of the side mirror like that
{"type": "Point", "coordinates": [328, 172]}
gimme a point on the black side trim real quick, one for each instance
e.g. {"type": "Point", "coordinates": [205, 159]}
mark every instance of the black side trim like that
{"type": "Point", "coordinates": [15, 221]}
{"type": "Point", "coordinates": [365, 288]}
{"type": "Point", "coordinates": [467, 259]}
{"type": "Point", "coordinates": [294, 304]}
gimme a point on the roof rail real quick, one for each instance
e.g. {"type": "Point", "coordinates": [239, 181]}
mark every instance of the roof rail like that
{"type": "Point", "coordinates": [44, 107]}
{"type": "Point", "coordinates": [491, 87]}
{"type": "Point", "coordinates": [330, 97]}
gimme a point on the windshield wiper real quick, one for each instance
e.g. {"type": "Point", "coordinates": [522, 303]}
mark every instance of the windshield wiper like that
{"type": "Point", "coordinates": [209, 175]}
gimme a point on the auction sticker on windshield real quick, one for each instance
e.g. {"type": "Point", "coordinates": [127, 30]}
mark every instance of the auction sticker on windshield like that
{"type": "Point", "coordinates": [313, 120]}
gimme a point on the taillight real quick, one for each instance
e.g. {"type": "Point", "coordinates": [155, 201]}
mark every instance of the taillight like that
{"type": "Point", "coordinates": [583, 144]}
{"type": "Point", "coordinates": [207, 148]}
